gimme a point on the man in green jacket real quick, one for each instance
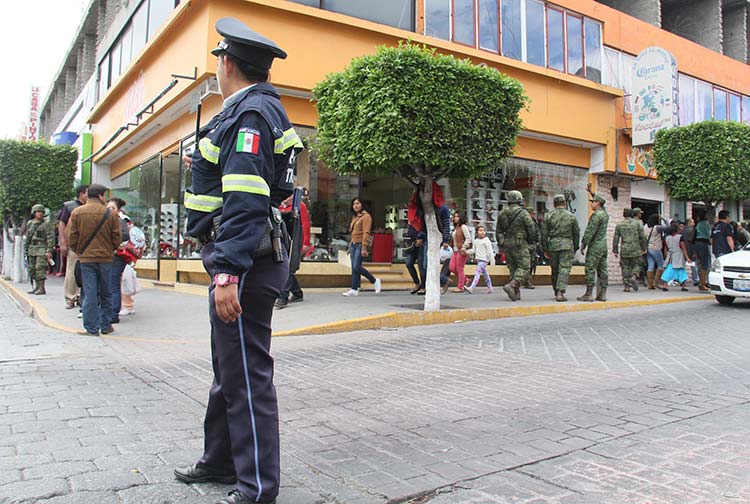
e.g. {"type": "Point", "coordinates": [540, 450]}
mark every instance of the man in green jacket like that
{"type": "Point", "coordinates": [630, 243]}
{"type": "Point", "coordinates": [560, 236]}
{"type": "Point", "coordinates": [39, 241]}
{"type": "Point", "coordinates": [595, 240]}
{"type": "Point", "coordinates": [515, 230]}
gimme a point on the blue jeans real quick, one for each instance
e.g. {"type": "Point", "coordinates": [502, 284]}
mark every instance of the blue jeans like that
{"type": "Point", "coordinates": [355, 252]}
{"type": "Point", "coordinates": [655, 259]}
{"type": "Point", "coordinates": [416, 256]}
{"type": "Point", "coordinates": [97, 299]}
{"type": "Point", "coordinates": [118, 266]}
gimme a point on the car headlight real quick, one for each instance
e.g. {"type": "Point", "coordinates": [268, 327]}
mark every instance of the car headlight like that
{"type": "Point", "coordinates": [716, 266]}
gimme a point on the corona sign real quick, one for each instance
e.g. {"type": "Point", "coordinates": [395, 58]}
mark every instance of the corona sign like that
{"type": "Point", "coordinates": [654, 99]}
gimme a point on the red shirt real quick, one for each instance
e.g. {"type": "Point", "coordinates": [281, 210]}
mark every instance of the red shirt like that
{"type": "Point", "coordinates": [304, 216]}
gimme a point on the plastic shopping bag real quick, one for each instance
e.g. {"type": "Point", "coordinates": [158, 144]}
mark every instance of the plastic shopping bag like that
{"type": "Point", "coordinates": [129, 284]}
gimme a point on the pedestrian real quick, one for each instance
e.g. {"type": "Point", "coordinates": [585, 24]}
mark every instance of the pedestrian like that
{"type": "Point", "coordinates": [676, 259]}
{"type": "Point", "coordinates": [94, 233]}
{"type": "Point", "coordinates": [688, 235]}
{"type": "Point", "coordinates": [702, 245]}
{"type": "Point", "coordinates": [482, 251]}
{"type": "Point", "coordinates": [560, 238]}
{"type": "Point", "coordinates": [39, 241]}
{"type": "Point", "coordinates": [292, 285]}
{"type": "Point", "coordinates": [515, 231]}
{"type": "Point", "coordinates": [462, 245]}
{"type": "Point", "coordinates": [656, 230]}
{"type": "Point", "coordinates": [629, 244]}
{"type": "Point", "coordinates": [119, 261]}
{"type": "Point", "coordinates": [414, 255]}
{"type": "Point", "coordinates": [595, 240]}
{"type": "Point", "coordinates": [722, 235]}
{"type": "Point", "coordinates": [241, 173]}
{"type": "Point", "coordinates": [359, 247]}
{"type": "Point", "coordinates": [741, 234]}
{"type": "Point", "coordinates": [72, 292]}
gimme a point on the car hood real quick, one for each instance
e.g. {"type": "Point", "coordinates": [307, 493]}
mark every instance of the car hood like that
{"type": "Point", "coordinates": [739, 258]}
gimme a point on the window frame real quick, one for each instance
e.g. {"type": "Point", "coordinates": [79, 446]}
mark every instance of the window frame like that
{"type": "Point", "coordinates": [601, 49]}
{"type": "Point", "coordinates": [498, 23]}
{"type": "Point", "coordinates": [452, 16]}
{"type": "Point", "coordinates": [561, 11]}
{"type": "Point", "coordinates": [569, 14]}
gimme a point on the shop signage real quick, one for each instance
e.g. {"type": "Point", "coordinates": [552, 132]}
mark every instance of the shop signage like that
{"type": "Point", "coordinates": [32, 128]}
{"type": "Point", "coordinates": [635, 161]}
{"type": "Point", "coordinates": [655, 82]}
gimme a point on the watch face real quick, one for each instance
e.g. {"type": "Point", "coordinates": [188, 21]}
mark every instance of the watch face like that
{"type": "Point", "coordinates": [222, 278]}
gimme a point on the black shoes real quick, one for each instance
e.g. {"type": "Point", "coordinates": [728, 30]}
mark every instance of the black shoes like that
{"type": "Point", "coordinates": [198, 474]}
{"type": "Point", "coordinates": [237, 497]}
{"type": "Point", "coordinates": [296, 299]}
{"type": "Point", "coordinates": [108, 330]}
{"type": "Point", "coordinates": [280, 304]}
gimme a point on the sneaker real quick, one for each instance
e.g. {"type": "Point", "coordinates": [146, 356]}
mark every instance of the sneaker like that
{"type": "Point", "coordinates": [126, 311]}
{"type": "Point", "coordinates": [350, 293]}
{"type": "Point", "coordinates": [80, 315]}
{"type": "Point", "coordinates": [489, 290]}
{"type": "Point", "coordinates": [378, 286]}
{"type": "Point", "coordinates": [469, 289]}
{"type": "Point", "coordinates": [84, 332]}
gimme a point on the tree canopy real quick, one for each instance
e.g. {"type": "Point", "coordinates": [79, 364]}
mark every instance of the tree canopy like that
{"type": "Point", "coordinates": [34, 172]}
{"type": "Point", "coordinates": [411, 110]}
{"type": "Point", "coordinates": [706, 161]}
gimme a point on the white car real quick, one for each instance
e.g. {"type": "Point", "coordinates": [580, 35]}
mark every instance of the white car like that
{"type": "Point", "coordinates": [729, 277]}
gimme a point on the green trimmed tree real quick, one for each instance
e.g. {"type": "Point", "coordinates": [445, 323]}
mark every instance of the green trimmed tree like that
{"type": "Point", "coordinates": [30, 173]}
{"type": "Point", "coordinates": [423, 115]}
{"type": "Point", "coordinates": [707, 161]}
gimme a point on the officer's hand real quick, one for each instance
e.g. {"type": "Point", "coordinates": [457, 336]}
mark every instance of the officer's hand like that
{"type": "Point", "coordinates": [64, 250]}
{"type": "Point", "coordinates": [187, 159]}
{"type": "Point", "coordinates": [227, 303]}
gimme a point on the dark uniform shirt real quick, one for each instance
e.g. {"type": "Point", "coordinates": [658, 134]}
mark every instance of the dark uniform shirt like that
{"type": "Point", "coordinates": [239, 177]}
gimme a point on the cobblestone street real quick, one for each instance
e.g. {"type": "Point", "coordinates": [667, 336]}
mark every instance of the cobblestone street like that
{"type": "Point", "coordinates": [645, 405]}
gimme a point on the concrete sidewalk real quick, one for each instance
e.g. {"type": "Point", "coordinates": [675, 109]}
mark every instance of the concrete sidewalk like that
{"type": "Point", "coordinates": [181, 312]}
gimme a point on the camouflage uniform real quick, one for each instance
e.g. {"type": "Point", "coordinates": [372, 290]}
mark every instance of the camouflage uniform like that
{"type": "Point", "coordinates": [629, 241]}
{"type": "Point", "coordinates": [560, 236]}
{"type": "Point", "coordinates": [515, 230]}
{"type": "Point", "coordinates": [39, 241]}
{"type": "Point", "coordinates": [594, 244]}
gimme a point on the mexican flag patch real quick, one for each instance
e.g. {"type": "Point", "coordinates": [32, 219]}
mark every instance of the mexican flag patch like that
{"type": "Point", "coordinates": [248, 140]}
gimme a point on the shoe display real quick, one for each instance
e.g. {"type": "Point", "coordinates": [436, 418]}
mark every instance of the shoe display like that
{"type": "Point", "coordinates": [199, 474]}
{"type": "Point", "coordinates": [350, 293]}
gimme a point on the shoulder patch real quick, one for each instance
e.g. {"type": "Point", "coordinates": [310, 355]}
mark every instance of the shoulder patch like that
{"type": "Point", "coordinates": [248, 140]}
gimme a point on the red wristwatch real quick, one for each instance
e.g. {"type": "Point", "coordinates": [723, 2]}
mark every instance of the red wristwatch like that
{"type": "Point", "coordinates": [224, 279]}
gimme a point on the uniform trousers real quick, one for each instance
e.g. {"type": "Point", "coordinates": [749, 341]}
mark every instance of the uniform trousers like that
{"type": "Point", "coordinates": [38, 267]}
{"type": "Point", "coordinates": [518, 261]}
{"type": "Point", "coordinates": [561, 261]}
{"type": "Point", "coordinates": [596, 267]}
{"type": "Point", "coordinates": [242, 419]}
{"type": "Point", "coordinates": [630, 266]}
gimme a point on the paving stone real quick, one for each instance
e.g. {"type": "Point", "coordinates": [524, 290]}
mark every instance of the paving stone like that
{"type": "Point", "coordinates": [106, 480]}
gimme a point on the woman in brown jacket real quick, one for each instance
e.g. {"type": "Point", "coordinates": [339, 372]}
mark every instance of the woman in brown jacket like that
{"type": "Point", "coordinates": [359, 228]}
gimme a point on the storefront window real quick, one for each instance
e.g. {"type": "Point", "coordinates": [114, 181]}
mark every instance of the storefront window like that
{"type": "Point", "coordinates": [687, 100]}
{"type": "Point", "coordinates": [704, 95]}
{"type": "Point", "coordinates": [488, 25]}
{"type": "Point", "coordinates": [437, 18]}
{"type": "Point", "coordinates": [140, 189]}
{"type": "Point", "coordinates": [593, 39]}
{"type": "Point", "coordinates": [575, 45]}
{"type": "Point", "coordinates": [170, 198]}
{"type": "Point", "coordinates": [535, 33]}
{"type": "Point", "coordinates": [735, 112]}
{"type": "Point", "coordinates": [463, 22]}
{"type": "Point", "coordinates": [555, 40]}
{"type": "Point", "coordinates": [511, 29]}
{"type": "Point", "coordinates": [188, 246]}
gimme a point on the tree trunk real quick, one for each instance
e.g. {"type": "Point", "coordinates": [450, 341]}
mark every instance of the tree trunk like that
{"type": "Point", "coordinates": [7, 266]}
{"type": "Point", "coordinates": [18, 269]}
{"type": "Point", "coordinates": [434, 240]}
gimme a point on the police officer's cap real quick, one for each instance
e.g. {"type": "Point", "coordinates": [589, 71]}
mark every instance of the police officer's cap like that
{"type": "Point", "coordinates": [38, 208]}
{"type": "Point", "coordinates": [244, 44]}
{"type": "Point", "coordinates": [598, 199]}
{"type": "Point", "coordinates": [558, 199]}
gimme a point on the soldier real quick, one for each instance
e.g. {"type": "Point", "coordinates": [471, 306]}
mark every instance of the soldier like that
{"type": "Point", "coordinates": [533, 249]}
{"type": "Point", "coordinates": [515, 231]}
{"type": "Point", "coordinates": [39, 241]}
{"type": "Point", "coordinates": [630, 243]}
{"type": "Point", "coordinates": [560, 238]}
{"type": "Point", "coordinates": [242, 171]}
{"type": "Point", "coordinates": [595, 240]}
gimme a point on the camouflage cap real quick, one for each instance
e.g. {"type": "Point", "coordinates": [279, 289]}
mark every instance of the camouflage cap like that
{"type": "Point", "coordinates": [598, 199]}
{"type": "Point", "coordinates": [38, 208]}
{"type": "Point", "coordinates": [515, 197]}
{"type": "Point", "coordinates": [558, 199]}
{"type": "Point", "coordinates": [637, 211]}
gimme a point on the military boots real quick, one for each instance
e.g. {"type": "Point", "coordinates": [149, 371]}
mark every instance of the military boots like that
{"type": "Point", "coordinates": [36, 288]}
{"type": "Point", "coordinates": [601, 293]}
{"type": "Point", "coordinates": [634, 283]}
{"type": "Point", "coordinates": [40, 288]}
{"type": "Point", "coordinates": [560, 296]}
{"type": "Point", "coordinates": [626, 282]}
{"type": "Point", "coordinates": [512, 289]}
{"type": "Point", "coordinates": [587, 296]}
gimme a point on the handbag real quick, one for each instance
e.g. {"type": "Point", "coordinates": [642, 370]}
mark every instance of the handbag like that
{"type": "Point", "coordinates": [77, 267]}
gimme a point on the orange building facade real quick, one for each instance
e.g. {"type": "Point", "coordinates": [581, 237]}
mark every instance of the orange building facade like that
{"type": "Point", "coordinates": [573, 57]}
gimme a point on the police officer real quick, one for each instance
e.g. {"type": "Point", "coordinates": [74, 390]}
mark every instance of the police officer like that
{"type": "Point", "coordinates": [595, 240]}
{"type": "Point", "coordinates": [560, 236]}
{"type": "Point", "coordinates": [241, 172]}
{"type": "Point", "coordinates": [630, 243]}
{"type": "Point", "coordinates": [515, 230]}
{"type": "Point", "coordinates": [38, 244]}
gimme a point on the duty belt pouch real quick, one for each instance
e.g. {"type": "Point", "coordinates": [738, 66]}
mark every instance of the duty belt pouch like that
{"type": "Point", "coordinates": [265, 247]}
{"type": "Point", "coordinates": [275, 231]}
